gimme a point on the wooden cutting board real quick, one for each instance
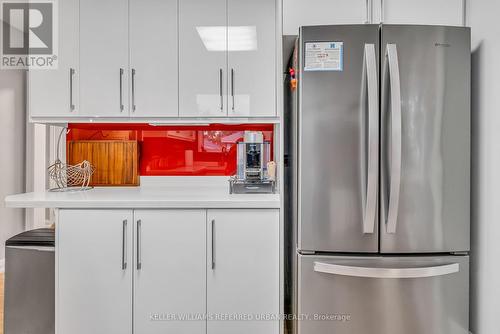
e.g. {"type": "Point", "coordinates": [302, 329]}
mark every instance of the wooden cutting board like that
{"type": "Point", "coordinates": [116, 163]}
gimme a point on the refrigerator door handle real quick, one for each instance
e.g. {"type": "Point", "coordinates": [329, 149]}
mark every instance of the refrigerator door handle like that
{"type": "Point", "coordinates": [368, 272]}
{"type": "Point", "coordinates": [373, 140]}
{"type": "Point", "coordinates": [395, 178]}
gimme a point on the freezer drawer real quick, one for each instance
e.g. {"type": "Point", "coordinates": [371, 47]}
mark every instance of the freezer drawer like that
{"type": "Point", "coordinates": [383, 295]}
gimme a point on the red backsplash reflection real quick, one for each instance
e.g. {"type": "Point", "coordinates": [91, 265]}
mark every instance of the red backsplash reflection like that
{"type": "Point", "coordinates": [177, 150]}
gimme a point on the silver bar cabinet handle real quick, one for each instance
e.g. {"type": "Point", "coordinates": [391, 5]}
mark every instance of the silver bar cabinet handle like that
{"type": "Point", "coordinates": [368, 272]}
{"type": "Point", "coordinates": [395, 181]}
{"type": "Point", "coordinates": [232, 87]}
{"type": "Point", "coordinates": [373, 142]}
{"type": "Point", "coordinates": [133, 90]}
{"type": "Point", "coordinates": [121, 90]}
{"type": "Point", "coordinates": [367, 13]}
{"type": "Point", "coordinates": [124, 244]}
{"type": "Point", "coordinates": [220, 90]}
{"type": "Point", "coordinates": [213, 244]}
{"type": "Point", "coordinates": [139, 261]}
{"type": "Point", "coordinates": [71, 75]}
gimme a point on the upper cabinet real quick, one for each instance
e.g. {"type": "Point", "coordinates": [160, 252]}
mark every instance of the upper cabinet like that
{"type": "Point", "coordinates": [432, 12]}
{"type": "Point", "coordinates": [104, 58]}
{"type": "Point", "coordinates": [202, 58]}
{"type": "Point", "coordinates": [54, 93]}
{"type": "Point", "coordinates": [251, 58]}
{"type": "Point", "coordinates": [227, 61]}
{"type": "Point", "coordinates": [153, 58]}
{"type": "Point", "coordinates": [298, 13]}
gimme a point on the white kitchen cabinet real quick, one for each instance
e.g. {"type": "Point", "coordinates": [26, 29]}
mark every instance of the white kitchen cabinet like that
{"type": "Point", "coordinates": [153, 58]}
{"type": "Point", "coordinates": [298, 13]}
{"type": "Point", "coordinates": [243, 270]}
{"type": "Point", "coordinates": [94, 272]}
{"type": "Point", "coordinates": [55, 92]}
{"type": "Point", "coordinates": [433, 12]}
{"type": "Point", "coordinates": [170, 271]}
{"type": "Point", "coordinates": [227, 64]}
{"type": "Point", "coordinates": [202, 58]}
{"type": "Point", "coordinates": [251, 58]}
{"type": "Point", "coordinates": [104, 58]}
{"type": "Point", "coordinates": [144, 271]}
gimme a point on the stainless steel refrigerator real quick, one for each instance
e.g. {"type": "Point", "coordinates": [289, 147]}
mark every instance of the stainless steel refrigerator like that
{"type": "Point", "coordinates": [380, 163]}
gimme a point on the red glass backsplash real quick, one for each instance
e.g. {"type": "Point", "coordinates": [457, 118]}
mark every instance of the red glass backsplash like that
{"type": "Point", "coordinates": [177, 150]}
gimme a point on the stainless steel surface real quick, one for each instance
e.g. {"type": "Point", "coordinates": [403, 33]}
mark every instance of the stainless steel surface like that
{"type": "Point", "coordinates": [433, 213]}
{"type": "Point", "coordinates": [359, 305]}
{"type": "Point", "coordinates": [395, 138]}
{"type": "Point", "coordinates": [376, 272]}
{"type": "Point", "coordinates": [29, 305]}
{"type": "Point", "coordinates": [290, 182]}
{"type": "Point", "coordinates": [139, 245]}
{"type": "Point", "coordinates": [370, 216]}
{"type": "Point", "coordinates": [424, 156]}
{"type": "Point", "coordinates": [121, 90]}
{"type": "Point", "coordinates": [232, 87]}
{"type": "Point", "coordinates": [221, 93]}
{"type": "Point", "coordinates": [237, 186]}
{"type": "Point", "coordinates": [332, 145]}
{"type": "Point", "coordinates": [133, 90]}
{"type": "Point", "coordinates": [213, 244]}
{"type": "Point", "coordinates": [124, 244]}
{"type": "Point", "coordinates": [71, 75]}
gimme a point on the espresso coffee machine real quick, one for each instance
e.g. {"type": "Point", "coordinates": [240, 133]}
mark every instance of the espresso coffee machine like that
{"type": "Point", "coordinates": [253, 175]}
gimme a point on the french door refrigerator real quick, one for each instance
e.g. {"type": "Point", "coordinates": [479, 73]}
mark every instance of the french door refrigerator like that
{"type": "Point", "coordinates": [380, 160]}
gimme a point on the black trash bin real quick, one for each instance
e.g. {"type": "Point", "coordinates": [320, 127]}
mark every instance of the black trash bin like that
{"type": "Point", "coordinates": [29, 283]}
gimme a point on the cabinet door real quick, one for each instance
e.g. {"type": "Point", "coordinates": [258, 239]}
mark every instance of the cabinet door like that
{"type": "Point", "coordinates": [297, 13]}
{"type": "Point", "coordinates": [54, 93]}
{"type": "Point", "coordinates": [251, 58]}
{"type": "Point", "coordinates": [170, 271]}
{"type": "Point", "coordinates": [433, 12]}
{"type": "Point", "coordinates": [94, 272]}
{"type": "Point", "coordinates": [153, 35]}
{"type": "Point", "coordinates": [243, 270]}
{"type": "Point", "coordinates": [104, 58]}
{"type": "Point", "coordinates": [202, 58]}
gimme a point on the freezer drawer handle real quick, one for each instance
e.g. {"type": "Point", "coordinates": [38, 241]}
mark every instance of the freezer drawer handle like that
{"type": "Point", "coordinates": [353, 271]}
{"type": "Point", "coordinates": [395, 183]}
{"type": "Point", "coordinates": [373, 134]}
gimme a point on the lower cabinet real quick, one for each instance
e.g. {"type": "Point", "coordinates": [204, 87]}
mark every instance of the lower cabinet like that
{"type": "Point", "coordinates": [243, 271]}
{"type": "Point", "coordinates": [167, 271]}
{"type": "Point", "coordinates": [94, 272]}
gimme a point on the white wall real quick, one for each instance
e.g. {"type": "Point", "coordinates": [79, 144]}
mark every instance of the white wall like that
{"type": "Point", "coordinates": [12, 150]}
{"type": "Point", "coordinates": [485, 275]}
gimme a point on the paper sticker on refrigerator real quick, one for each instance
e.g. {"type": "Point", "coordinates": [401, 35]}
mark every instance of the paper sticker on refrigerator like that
{"type": "Point", "coordinates": [324, 56]}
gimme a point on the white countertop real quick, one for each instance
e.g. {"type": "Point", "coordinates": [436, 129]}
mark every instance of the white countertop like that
{"type": "Point", "coordinates": [174, 195]}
